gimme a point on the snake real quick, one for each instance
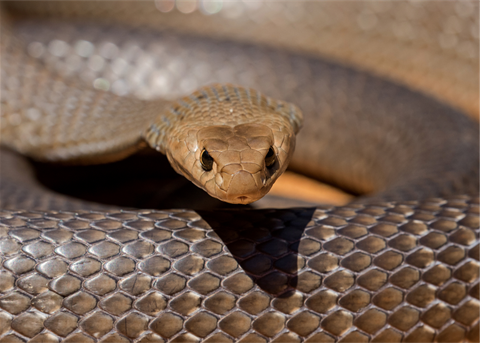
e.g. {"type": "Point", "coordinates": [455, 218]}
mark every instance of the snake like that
{"type": "Point", "coordinates": [379, 98]}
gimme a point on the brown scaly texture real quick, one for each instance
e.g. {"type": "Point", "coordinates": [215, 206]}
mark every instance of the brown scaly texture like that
{"type": "Point", "coordinates": [237, 127]}
{"type": "Point", "coordinates": [382, 272]}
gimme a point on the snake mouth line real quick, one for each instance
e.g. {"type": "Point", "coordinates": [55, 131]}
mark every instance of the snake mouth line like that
{"type": "Point", "coordinates": [243, 199]}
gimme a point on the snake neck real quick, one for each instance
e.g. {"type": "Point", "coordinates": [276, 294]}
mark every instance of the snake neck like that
{"type": "Point", "coordinates": [161, 128]}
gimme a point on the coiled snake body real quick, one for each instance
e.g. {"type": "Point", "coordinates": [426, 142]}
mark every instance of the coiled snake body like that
{"type": "Point", "coordinates": [400, 263]}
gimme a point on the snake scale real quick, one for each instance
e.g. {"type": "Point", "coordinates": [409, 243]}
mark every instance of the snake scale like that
{"type": "Point", "coordinates": [382, 87]}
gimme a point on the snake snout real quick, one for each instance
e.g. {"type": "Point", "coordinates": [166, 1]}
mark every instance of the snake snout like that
{"type": "Point", "coordinates": [242, 183]}
{"type": "Point", "coordinates": [242, 187]}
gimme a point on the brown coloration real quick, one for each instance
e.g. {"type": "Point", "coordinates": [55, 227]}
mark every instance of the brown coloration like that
{"type": "Point", "coordinates": [113, 261]}
{"type": "Point", "coordinates": [315, 305]}
{"type": "Point", "coordinates": [237, 127]}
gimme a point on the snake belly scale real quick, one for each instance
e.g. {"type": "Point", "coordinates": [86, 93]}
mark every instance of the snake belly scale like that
{"type": "Point", "coordinates": [400, 263]}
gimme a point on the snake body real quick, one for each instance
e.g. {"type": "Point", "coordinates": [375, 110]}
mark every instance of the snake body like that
{"type": "Point", "coordinates": [400, 263]}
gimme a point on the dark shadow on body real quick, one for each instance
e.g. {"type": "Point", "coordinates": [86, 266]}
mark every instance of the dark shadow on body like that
{"type": "Point", "coordinates": [265, 243]}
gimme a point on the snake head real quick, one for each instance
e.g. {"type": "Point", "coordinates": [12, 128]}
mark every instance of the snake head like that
{"type": "Point", "coordinates": [232, 142]}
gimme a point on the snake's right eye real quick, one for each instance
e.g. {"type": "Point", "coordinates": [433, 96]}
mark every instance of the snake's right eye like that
{"type": "Point", "coordinates": [206, 160]}
{"type": "Point", "coordinates": [270, 158]}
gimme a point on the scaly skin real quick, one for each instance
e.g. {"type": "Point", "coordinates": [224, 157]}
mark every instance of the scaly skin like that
{"type": "Point", "coordinates": [237, 127]}
{"type": "Point", "coordinates": [387, 271]}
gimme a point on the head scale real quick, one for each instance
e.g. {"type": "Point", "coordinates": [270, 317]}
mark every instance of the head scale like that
{"type": "Point", "coordinates": [231, 141]}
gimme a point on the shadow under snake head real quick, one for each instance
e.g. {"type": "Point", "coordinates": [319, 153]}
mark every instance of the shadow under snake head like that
{"type": "Point", "coordinates": [231, 141]}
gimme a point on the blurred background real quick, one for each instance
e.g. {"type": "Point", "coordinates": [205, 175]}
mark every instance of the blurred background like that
{"type": "Point", "coordinates": [431, 47]}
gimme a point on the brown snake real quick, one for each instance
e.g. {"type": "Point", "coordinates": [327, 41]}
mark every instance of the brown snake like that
{"type": "Point", "coordinates": [398, 264]}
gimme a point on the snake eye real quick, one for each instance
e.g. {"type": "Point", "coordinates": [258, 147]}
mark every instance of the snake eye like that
{"type": "Point", "coordinates": [270, 158]}
{"type": "Point", "coordinates": [206, 160]}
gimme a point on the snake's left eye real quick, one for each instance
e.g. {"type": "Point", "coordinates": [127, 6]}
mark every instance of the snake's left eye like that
{"type": "Point", "coordinates": [206, 160]}
{"type": "Point", "coordinates": [270, 158]}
